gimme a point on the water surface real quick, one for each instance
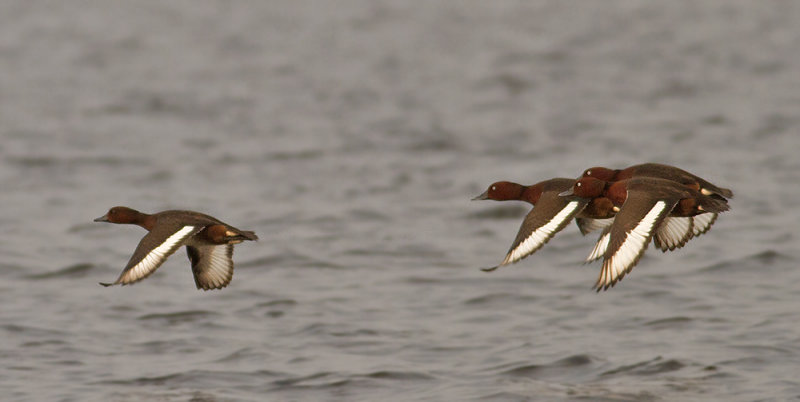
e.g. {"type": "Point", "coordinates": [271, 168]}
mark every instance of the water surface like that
{"type": "Point", "coordinates": [351, 137]}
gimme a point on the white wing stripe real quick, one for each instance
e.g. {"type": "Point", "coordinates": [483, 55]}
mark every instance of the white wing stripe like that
{"type": "Point", "coordinates": [600, 247]}
{"type": "Point", "coordinates": [631, 246]}
{"type": "Point", "coordinates": [591, 224]}
{"type": "Point", "coordinates": [155, 257]}
{"type": "Point", "coordinates": [541, 235]}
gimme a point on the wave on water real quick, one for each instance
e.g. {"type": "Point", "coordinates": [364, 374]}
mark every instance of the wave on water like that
{"type": "Point", "coordinates": [289, 259]}
{"type": "Point", "coordinates": [669, 323]}
{"type": "Point", "coordinates": [323, 380]}
{"type": "Point", "coordinates": [558, 368]}
{"type": "Point", "coordinates": [180, 317]}
{"type": "Point", "coordinates": [648, 367]}
{"type": "Point", "coordinates": [500, 212]}
{"type": "Point", "coordinates": [747, 263]}
{"type": "Point", "coordinates": [501, 299]}
{"type": "Point", "coordinates": [73, 271]}
{"type": "Point", "coordinates": [206, 378]}
{"type": "Point", "coordinates": [31, 331]}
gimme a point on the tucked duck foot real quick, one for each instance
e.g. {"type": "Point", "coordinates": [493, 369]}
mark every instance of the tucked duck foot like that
{"type": "Point", "coordinates": [490, 269]}
{"type": "Point", "coordinates": [106, 284]}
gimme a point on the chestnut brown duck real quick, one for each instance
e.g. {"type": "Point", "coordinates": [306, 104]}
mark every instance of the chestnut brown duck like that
{"type": "Point", "coordinates": [209, 244]}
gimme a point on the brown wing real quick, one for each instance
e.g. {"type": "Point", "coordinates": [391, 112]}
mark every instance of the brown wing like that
{"type": "Point", "coordinates": [153, 250]}
{"type": "Point", "coordinates": [550, 215]}
{"type": "Point", "coordinates": [630, 234]}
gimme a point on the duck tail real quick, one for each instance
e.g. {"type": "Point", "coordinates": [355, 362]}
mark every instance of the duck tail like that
{"type": "Point", "coordinates": [727, 193]}
{"type": "Point", "coordinates": [713, 204]}
{"type": "Point", "coordinates": [248, 235]}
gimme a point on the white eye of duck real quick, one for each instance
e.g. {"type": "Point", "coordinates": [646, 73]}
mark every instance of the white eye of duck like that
{"type": "Point", "coordinates": [494, 187]}
{"type": "Point", "coordinates": [588, 172]}
{"type": "Point", "coordinates": [578, 184]}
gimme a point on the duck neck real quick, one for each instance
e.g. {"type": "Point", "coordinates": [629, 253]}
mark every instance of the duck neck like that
{"type": "Point", "coordinates": [530, 194]}
{"type": "Point", "coordinates": [146, 221]}
{"type": "Point", "coordinates": [617, 194]}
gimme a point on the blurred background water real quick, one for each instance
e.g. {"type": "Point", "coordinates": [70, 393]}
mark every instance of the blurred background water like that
{"type": "Point", "coordinates": [351, 136]}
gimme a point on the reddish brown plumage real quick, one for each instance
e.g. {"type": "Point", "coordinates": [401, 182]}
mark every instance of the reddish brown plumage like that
{"type": "Point", "coordinates": [168, 231]}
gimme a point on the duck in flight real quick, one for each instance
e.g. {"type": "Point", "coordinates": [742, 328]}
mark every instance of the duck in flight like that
{"type": "Point", "coordinates": [209, 244]}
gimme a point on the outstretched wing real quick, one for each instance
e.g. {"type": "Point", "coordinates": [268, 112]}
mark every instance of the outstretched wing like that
{"type": "Point", "coordinates": [630, 234]}
{"type": "Point", "coordinates": [153, 250]}
{"type": "Point", "coordinates": [673, 232]}
{"type": "Point", "coordinates": [601, 246]}
{"type": "Point", "coordinates": [212, 265]}
{"type": "Point", "coordinates": [702, 223]}
{"type": "Point", "coordinates": [550, 215]}
{"type": "Point", "coordinates": [588, 225]}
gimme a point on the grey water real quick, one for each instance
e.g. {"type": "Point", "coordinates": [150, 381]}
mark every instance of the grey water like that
{"type": "Point", "coordinates": [351, 137]}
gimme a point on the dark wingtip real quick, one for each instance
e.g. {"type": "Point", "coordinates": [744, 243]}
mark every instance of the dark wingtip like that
{"type": "Point", "coordinates": [106, 284]}
{"type": "Point", "coordinates": [490, 269]}
{"type": "Point", "coordinates": [603, 288]}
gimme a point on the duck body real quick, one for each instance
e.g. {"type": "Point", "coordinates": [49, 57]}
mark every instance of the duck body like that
{"type": "Point", "coordinates": [647, 206]}
{"type": "Point", "coordinates": [657, 170]}
{"type": "Point", "coordinates": [550, 214]}
{"type": "Point", "coordinates": [660, 171]}
{"type": "Point", "coordinates": [209, 244]}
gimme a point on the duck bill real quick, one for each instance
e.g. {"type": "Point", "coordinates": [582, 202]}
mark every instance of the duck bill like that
{"type": "Point", "coordinates": [566, 193]}
{"type": "Point", "coordinates": [484, 196]}
{"type": "Point", "coordinates": [103, 218]}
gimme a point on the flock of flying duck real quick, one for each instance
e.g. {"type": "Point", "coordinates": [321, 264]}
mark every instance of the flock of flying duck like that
{"type": "Point", "coordinates": [631, 206]}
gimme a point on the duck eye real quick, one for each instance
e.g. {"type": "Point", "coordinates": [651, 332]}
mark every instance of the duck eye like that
{"type": "Point", "coordinates": [588, 172]}
{"type": "Point", "coordinates": [578, 184]}
{"type": "Point", "coordinates": [494, 188]}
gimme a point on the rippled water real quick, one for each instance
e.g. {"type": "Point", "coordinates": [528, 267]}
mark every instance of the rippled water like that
{"type": "Point", "coordinates": [351, 136]}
